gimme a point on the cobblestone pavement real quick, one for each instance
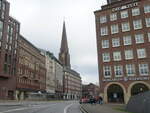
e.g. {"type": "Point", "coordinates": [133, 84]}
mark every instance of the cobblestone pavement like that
{"type": "Point", "coordinates": [106, 108]}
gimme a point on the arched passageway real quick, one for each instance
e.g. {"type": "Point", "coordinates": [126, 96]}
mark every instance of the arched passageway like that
{"type": "Point", "coordinates": [138, 88]}
{"type": "Point", "coordinates": [115, 94]}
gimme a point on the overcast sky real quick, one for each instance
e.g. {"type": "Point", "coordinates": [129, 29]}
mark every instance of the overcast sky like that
{"type": "Point", "coordinates": [42, 21]}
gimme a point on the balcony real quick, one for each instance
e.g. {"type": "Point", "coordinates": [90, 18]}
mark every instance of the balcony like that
{"type": "Point", "coordinates": [4, 76]}
{"type": "Point", "coordinates": [24, 76]}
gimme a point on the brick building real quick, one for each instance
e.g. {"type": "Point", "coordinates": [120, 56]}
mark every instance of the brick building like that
{"type": "Point", "coordinates": [90, 90]}
{"type": "Point", "coordinates": [9, 32]}
{"type": "Point", "coordinates": [72, 84]}
{"type": "Point", "coordinates": [123, 46]}
{"type": "Point", "coordinates": [31, 76]}
{"type": "Point", "coordinates": [71, 79]}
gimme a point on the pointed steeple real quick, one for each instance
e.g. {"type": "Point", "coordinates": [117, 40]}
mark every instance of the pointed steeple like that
{"type": "Point", "coordinates": [64, 43]}
{"type": "Point", "coordinates": [64, 56]}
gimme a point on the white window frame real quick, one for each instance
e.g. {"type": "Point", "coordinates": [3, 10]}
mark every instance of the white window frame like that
{"type": "Point", "coordinates": [148, 34]}
{"type": "Point", "coordinates": [128, 54]}
{"type": "Point", "coordinates": [141, 53]}
{"type": "Point", "coordinates": [117, 56]}
{"type": "Point", "coordinates": [106, 57]}
{"type": "Point", "coordinates": [125, 26]}
{"type": "Point", "coordinates": [114, 29]}
{"type": "Point", "coordinates": [113, 16]}
{"type": "Point", "coordinates": [107, 69]}
{"type": "Point", "coordinates": [147, 20]}
{"type": "Point", "coordinates": [137, 24]}
{"type": "Point", "coordinates": [135, 11]}
{"type": "Point", "coordinates": [130, 69]}
{"type": "Point", "coordinates": [124, 14]}
{"type": "Point", "coordinates": [105, 43]}
{"type": "Point", "coordinates": [1, 29]}
{"type": "Point", "coordinates": [115, 42]}
{"type": "Point", "coordinates": [144, 69]}
{"type": "Point", "coordinates": [127, 40]}
{"type": "Point", "coordinates": [103, 19]}
{"type": "Point", "coordinates": [104, 31]}
{"type": "Point", "coordinates": [139, 38]}
{"type": "Point", "coordinates": [147, 9]}
{"type": "Point", "coordinates": [118, 70]}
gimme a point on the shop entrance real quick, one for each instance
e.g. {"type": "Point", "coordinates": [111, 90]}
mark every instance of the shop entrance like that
{"type": "Point", "coordinates": [139, 88]}
{"type": "Point", "coordinates": [115, 94]}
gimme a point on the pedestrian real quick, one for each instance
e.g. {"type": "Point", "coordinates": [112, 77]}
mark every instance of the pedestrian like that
{"type": "Point", "coordinates": [100, 100]}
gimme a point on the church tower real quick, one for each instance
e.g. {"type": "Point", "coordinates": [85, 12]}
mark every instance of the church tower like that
{"type": "Point", "coordinates": [64, 56]}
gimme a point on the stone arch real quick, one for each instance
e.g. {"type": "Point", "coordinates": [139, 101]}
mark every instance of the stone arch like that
{"type": "Point", "coordinates": [113, 83]}
{"type": "Point", "coordinates": [134, 83]}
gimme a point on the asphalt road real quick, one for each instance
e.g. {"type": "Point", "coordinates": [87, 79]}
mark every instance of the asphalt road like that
{"type": "Point", "coordinates": [41, 107]}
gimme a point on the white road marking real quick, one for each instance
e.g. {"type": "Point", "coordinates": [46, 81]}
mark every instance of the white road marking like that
{"type": "Point", "coordinates": [21, 109]}
{"type": "Point", "coordinates": [66, 108]}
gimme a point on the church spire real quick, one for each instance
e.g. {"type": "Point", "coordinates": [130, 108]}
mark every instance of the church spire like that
{"type": "Point", "coordinates": [64, 56]}
{"type": "Point", "coordinates": [64, 43]}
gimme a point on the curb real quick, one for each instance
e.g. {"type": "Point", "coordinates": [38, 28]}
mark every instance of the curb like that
{"type": "Point", "coordinates": [83, 110]}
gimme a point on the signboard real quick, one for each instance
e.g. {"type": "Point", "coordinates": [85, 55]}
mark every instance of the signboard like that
{"type": "Point", "coordinates": [125, 6]}
{"type": "Point", "coordinates": [126, 79]}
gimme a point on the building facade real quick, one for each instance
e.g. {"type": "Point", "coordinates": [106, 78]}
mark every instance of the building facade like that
{"type": "Point", "coordinates": [58, 79]}
{"type": "Point", "coordinates": [90, 90]}
{"type": "Point", "coordinates": [50, 72]}
{"type": "Point", "coordinates": [72, 84]}
{"type": "Point", "coordinates": [72, 80]}
{"type": "Point", "coordinates": [9, 32]}
{"type": "Point", "coordinates": [123, 45]}
{"type": "Point", "coordinates": [31, 76]}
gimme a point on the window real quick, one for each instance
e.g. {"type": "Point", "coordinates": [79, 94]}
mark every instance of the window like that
{"type": "Point", "coordinates": [148, 36]}
{"type": "Point", "coordinates": [3, 15]}
{"type": "Point", "coordinates": [117, 56]}
{"type": "Point", "coordinates": [115, 42]}
{"type": "Point", "coordinates": [10, 48]}
{"type": "Point", "coordinates": [114, 29]}
{"type": "Point", "coordinates": [139, 38]}
{"type": "Point", "coordinates": [147, 8]}
{"type": "Point", "coordinates": [137, 24]}
{"type": "Point", "coordinates": [113, 16]}
{"type": "Point", "coordinates": [143, 69]}
{"type": "Point", "coordinates": [1, 29]}
{"type": "Point", "coordinates": [105, 43]}
{"type": "Point", "coordinates": [124, 14]}
{"type": "Point", "coordinates": [128, 54]}
{"type": "Point", "coordinates": [147, 20]}
{"type": "Point", "coordinates": [130, 69]}
{"type": "Point", "coordinates": [106, 57]}
{"type": "Point", "coordinates": [141, 53]}
{"type": "Point", "coordinates": [3, 6]}
{"type": "Point", "coordinates": [107, 71]}
{"type": "Point", "coordinates": [135, 11]}
{"type": "Point", "coordinates": [127, 40]}
{"type": "Point", "coordinates": [118, 71]}
{"type": "Point", "coordinates": [104, 31]}
{"type": "Point", "coordinates": [125, 27]}
{"type": "Point", "coordinates": [103, 19]}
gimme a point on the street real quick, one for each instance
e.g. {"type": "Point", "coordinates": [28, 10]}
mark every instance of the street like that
{"type": "Point", "coordinates": [41, 107]}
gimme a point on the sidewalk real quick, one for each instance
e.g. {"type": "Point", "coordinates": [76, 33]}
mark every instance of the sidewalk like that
{"type": "Point", "coordinates": [106, 108]}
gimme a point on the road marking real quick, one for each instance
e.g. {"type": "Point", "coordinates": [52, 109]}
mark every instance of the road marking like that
{"type": "Point", "coordinates": [66, 108]}
{"type": "Point", "coordinates": [21, 109]}
{"type": "Point", "coordinates": [14, 110]}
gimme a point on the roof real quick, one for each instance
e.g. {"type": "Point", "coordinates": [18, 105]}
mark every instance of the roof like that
{"type": "Point", "coordinates": [73, 72]}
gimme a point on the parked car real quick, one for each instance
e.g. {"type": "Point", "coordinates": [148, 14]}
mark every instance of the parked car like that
{"type": "Point", "coordinates": [84, 100]}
